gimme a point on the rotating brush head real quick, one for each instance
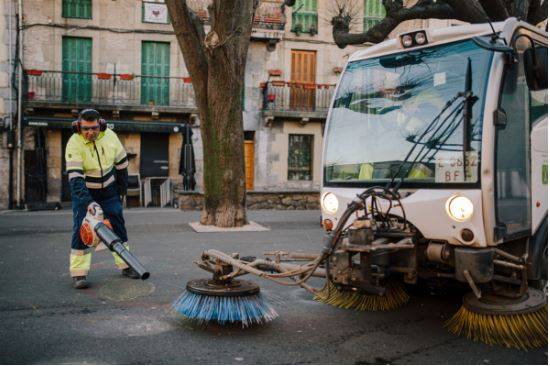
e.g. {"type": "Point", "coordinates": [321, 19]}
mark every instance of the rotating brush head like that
{"type": "Point", "coordinates": [394, 298]}
{"type": "Point", "coordinates": [206, 301]}
{"type": "Point", "coordinates": [513, 323]}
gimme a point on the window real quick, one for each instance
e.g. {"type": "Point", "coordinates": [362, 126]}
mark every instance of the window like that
{"type": "Point", "coordinates": [521, 107]}
{"type": "Point", "coordinates": [76, 69]}
{"type": "Point", "coordinates": [154, 11]}
{"type": "Point", "coordinates": [538, 100]}
{"type": "Point", "coordinates": [304, 17]}
{"type": "Point", "coordinates": [155, 71]}
{"type": "Point", "coordinates": [77, 9]}
{"type": "Point", "coordinates": [300, 149]}
{"type": "Point", "coordinates": [374, 13]}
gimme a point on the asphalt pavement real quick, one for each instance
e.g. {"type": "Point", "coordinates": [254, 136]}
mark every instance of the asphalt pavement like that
{"type": "Point", "coordinates": [123, 321]}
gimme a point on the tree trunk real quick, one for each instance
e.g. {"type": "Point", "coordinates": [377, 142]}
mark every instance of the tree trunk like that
{"type": "Point", "coordinates": [222, 136]}
{"type": "Point", "coordinates": [216, 63]}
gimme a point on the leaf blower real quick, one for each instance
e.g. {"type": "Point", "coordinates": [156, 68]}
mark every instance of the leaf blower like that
{"type": "Point", "coordinates": [95, 229]}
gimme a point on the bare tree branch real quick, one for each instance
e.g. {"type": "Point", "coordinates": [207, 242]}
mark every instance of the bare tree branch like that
{"type": "Point", "coordinates": [521, 9]}
{"type": "Point", "coordinates": [190, 35]}
{"type": "Point", "coordinates": [380, 31]}
{"type": "Point", "coordinates": [538, 11]}
{"type": "Point", "coordinates": [471, 11]}
{"type": "Point", "coordinates": [496, 9]}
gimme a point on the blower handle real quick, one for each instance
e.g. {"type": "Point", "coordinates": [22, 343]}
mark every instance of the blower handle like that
{"type": "Point", "coordinates": [114, 243]}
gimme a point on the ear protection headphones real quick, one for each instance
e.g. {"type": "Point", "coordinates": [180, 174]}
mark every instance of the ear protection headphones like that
{"type": "Point", "coordinates": [76, 124]}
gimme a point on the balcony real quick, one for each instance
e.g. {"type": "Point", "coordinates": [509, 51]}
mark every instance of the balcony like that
{"type": "Point", "coordinates": [60, 89]}
{"type": "Point", "coordinates": [269, 20]}
{"type": "Point", "coordinates": [296, 100]}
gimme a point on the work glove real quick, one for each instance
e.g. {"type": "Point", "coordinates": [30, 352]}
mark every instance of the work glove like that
{"type": "Point", "coordinates": [94, 208]}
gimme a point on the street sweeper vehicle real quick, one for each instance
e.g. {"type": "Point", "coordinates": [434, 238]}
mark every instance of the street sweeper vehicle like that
{"type": "Point", "coordinates": [434, 167]}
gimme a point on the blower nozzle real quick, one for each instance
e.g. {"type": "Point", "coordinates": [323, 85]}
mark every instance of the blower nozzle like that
{"type": "Point", "coordinates": [95, 230]}
{"type": "Point", "coordinates": [113, 242]}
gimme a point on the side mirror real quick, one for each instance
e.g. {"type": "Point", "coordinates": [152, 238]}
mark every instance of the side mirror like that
{"type": "Point", "coordinates": [535, 63]}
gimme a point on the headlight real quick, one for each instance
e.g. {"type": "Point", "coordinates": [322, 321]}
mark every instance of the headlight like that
{"type": "Point", "coordinates": [407, 40]}
{"type": "Point", "coordinates": [420, 38]}
{"type": "Point", "coordinates": [329, 203]}
{"type": "Point", "coordinates": [460, 208]}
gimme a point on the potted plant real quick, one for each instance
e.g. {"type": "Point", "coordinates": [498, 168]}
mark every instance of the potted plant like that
{"type": "Point", "coordinates": [313, 30]}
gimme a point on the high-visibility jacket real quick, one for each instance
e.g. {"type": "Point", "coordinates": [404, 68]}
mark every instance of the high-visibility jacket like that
{"type": "Point", "coordinates": [96, 165]}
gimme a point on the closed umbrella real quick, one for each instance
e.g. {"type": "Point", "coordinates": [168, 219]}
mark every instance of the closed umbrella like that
{"type": "Point", "coordinates": [187, 159]}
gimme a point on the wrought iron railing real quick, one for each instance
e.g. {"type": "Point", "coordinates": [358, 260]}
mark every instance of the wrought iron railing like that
{"type": "Point", "coordinates": [285, 96]}
{"type": "Point", "coordinates": [112, 89]}
{"type": "Point", "coordinates": [269, 14]}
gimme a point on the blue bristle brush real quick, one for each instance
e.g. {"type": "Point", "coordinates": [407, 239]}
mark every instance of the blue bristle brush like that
{"type": "Point", "coordinates": [206, 301]}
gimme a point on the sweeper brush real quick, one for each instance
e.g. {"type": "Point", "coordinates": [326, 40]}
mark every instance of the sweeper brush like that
{"type": "Point", "coordinates": [514, 323]}
{"type": "Point", "coordinates": [236, 301]}
{"type": "Point", "coordinates": [393, 298]}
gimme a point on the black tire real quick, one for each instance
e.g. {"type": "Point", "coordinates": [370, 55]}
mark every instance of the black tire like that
{"type": "Point", "coordinates": [542, 283]}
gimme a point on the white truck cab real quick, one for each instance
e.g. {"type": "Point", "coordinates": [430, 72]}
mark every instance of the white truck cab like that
{"type": "Point", "coordinates": [454, 120]}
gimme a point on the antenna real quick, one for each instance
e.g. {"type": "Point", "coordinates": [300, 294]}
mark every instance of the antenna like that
{"type": "Point", "coordinates": [495, 36]}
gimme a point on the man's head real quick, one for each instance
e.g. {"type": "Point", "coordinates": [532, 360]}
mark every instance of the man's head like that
{"type": "Point", "coordinates": [89, 124]}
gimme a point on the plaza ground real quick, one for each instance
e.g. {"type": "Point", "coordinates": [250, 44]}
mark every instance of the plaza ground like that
{"type": "Point", "coordinates": [122, 321]}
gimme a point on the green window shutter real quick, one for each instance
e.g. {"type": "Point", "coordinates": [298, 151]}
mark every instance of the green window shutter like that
{"type": "Point", "coordinates": [77, 69]}
{"type": "Point", "coordinates": [77, 9]}
{"type": "Point", "coordinates": [374, 13]}
{"type": "Point", "coordinates": [304, 18]}
{"type": "Point", "coordinates": [155, 61]}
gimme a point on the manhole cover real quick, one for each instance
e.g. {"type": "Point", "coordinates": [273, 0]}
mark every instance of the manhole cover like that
{"type": "Point", "coordinates": [124, 289]}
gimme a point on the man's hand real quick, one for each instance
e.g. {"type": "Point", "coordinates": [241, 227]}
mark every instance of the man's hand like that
{"type": "Point", "coordinates": [94, 208]}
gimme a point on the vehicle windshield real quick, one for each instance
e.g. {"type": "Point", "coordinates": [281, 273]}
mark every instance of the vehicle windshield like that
{"type": "Point", "coordinates": [402, 113]}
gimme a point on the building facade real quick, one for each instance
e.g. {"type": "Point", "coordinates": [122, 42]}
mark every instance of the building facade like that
{"type": "Point", "coordinates": [122, 58]}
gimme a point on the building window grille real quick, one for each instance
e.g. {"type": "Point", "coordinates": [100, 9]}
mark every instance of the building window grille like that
{"type": "Point", "coordinates": [374, 13]}
{"type": "Point", "coordinates": [77, 9]}
{"type": "Point", "coordinates": [300, 149]}
{"type": "Point", "coordinates": [304, 17]}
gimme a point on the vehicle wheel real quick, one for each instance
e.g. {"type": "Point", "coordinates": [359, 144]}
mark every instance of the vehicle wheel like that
{"type": "Point", "coordinates": [542, 283]}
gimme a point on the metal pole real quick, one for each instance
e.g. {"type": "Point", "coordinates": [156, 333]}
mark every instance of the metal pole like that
{"type": "Point", "coordinates": [20, 108]}
{"type": "Point", "coordinates": [10, 126]}
{"type": "Point", "coordinates": [10, 60]}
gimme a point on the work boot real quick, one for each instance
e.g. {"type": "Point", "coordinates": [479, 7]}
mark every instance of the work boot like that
{"type": "Point", "coordinates": [129, 272]}
{"type": "Point", "coordinates": [79, 282]}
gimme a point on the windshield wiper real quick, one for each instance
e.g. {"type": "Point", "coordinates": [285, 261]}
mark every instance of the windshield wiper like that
{"type": "Point", "coordinates": [466, 106]}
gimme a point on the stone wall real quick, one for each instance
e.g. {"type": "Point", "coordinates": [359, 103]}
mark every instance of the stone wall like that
{"type": "Point", "coordinates": [54, 161]}
{"type": "Point", "coordinates": [259, 200]}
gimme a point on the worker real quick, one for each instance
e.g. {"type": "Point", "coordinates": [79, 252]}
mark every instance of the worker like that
{"type": "Point", "coordinates": [97, 169]}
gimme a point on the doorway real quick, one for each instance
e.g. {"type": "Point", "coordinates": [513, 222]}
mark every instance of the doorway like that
{"type": "Point", "coordinates": [303, 81]}
{"type": "Point", "coordinates": [154, 169]}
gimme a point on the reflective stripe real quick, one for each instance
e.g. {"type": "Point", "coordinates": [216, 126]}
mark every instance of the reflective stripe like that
{"type": "Point", "coordinates": [118, 261]}
{"type": "Point", "coordinates": [79, 263]}
{"type": "Point", "coordinates": [93, 173]}
{"type": "Point", "coordinates": [74, 164]}
{"type": "Point", "coordinates": [75, 175]}
{"type": "Point", "coordinates": [123, 165]}
{"type": "Point", "coordinates": [100, 179]}
{"type": "Point", "coordinates": [94, 185]}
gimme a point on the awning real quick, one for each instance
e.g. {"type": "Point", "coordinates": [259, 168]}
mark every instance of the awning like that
{"type": "Point", "coordinates": [115, 125]}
